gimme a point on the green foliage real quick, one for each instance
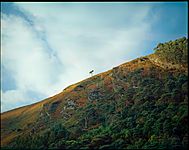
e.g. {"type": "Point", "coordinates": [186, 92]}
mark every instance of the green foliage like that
{"type": "Point", "coordinates": [46, 139]}
{"type": "Point", "coordinates": [156, 120]}
{"type": "Point", "coordinates": [174, 51]}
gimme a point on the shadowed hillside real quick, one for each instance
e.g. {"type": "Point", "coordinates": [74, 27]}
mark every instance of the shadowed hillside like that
{"type": "Point", "coordinates": [139, 104]}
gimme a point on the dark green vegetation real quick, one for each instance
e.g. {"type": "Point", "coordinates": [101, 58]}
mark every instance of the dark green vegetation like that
{"type": "Point", "coordinates": [147, 109]}
{"type": "Point", "coordinates": [174, 51]}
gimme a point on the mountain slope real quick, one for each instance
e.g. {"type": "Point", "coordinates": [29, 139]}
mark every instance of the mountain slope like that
{"type": "Point", "coordinates": [139, 104]}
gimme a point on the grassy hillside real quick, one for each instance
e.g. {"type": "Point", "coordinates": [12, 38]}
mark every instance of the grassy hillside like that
{"type": "Point", "coordinates": [140, 104]}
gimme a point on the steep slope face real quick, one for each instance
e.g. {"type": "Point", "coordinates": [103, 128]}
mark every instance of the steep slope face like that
{"type": "Point", "coordinates": [139, 104]}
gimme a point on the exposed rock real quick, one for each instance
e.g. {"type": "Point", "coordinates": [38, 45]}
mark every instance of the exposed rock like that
{"type": "Point", "coordinates": [166, 65]}
{"type": "Point", "coordinates": [95, 95]}
{"type": "Point", "coordinates": [70, 105]}
{"type": "Point", "coordinates": [66, 115]}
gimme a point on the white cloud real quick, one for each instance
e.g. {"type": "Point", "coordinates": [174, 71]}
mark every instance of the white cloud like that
{"type": "Point", "coordinates": [25, 56]}
{"type": "Point", "coordinates": [26, 59]}
{"type": "Point", "coordinates": [12, 99]}
{"type": "Point", "coordinates": [83, 37]}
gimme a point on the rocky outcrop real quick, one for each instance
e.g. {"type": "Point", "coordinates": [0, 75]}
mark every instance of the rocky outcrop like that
{"type": "Point", "coordinates": [166, 65]}
{"type": "Point", "coordinates": [95, 95]}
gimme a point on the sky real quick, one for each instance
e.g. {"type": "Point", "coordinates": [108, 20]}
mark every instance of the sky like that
{"type": "Point", "coordinates": [46, 47]}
